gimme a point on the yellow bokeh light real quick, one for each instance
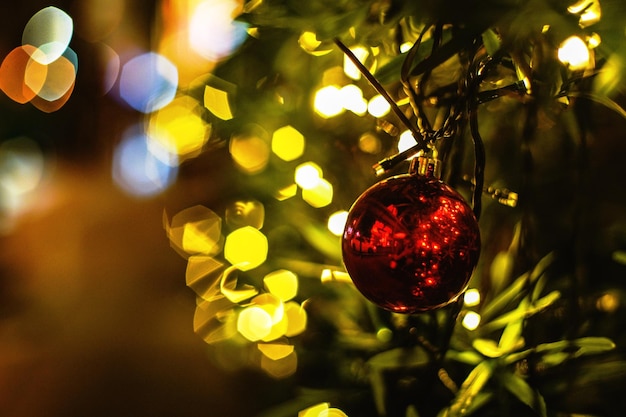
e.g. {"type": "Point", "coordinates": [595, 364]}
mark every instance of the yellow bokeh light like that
{"type": "Point", "coordinates": [250, 152]}
{"type": "Point", "coordinates": [275, 351]}
{"type": "Point", "coordinates": [378, 106]}
{"type": "Point", "coordinates": [322, 410]}
{"type": "Point", "coordinates": [254, 323]}
{"type": "Point", "coordinates": [370, 143]}
{"type": "Point", "coordinates": [296, 317]}
{"type": "Point", "coordinates": [471, 320]}
{"type": "Point", "coordinates": [246, 248]}
{"type": "Point", "coordinates": [203, 237]}
{"type": "Point", "coordinates": [320, 195]}
{"type": "Point", "coordinates": [352, 99]}
{"type": "Point", "coordinates": [216, 101]}
{"type": "Point", "coordinates": [282, 283]}
{"type": "Point", "coordinates": [206, 224]}
{"type": "Point", "coordinates": [288, 143]}
{"type": "Point", "coordinates": [307, 175]}
{"type": "Point", "coordinates": [472, 297]}
{"type": "Point", "coordinates": [348, 66]}
{"type": "Point", "coordinates": [280, 368]}
{"type": "Point", "coordinates": [327, 101]}
{"type": "Point", "coordinates": [177, 131]}
{"type": "Point", "coordinates": [287, 192]}
{"type": "Point", "coordinates": [337, 222]}
{"type": "Point", "coordinates": [574, 53]}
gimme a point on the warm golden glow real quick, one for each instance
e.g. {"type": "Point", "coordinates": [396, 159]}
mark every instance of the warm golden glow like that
{"type": "Point", "coordinates": [282, 283]}
{"type": "Point", "coordinates": [246, 248]}
{"type": "Point", "coordinates": [406, 141]}
{"type": "Point", "coordinates": [280, 368]}
{"type": "Point", "coordinates": [196, 230]}
{"type": "Point", "coordinates": [296, 318]}
{"type": "Point", "coordinates": [254, 323]}
{"type": "Point", "coordinates": [307, 175]}
{"type": "Point", "coordinates": [275, 351]}
{"type": "Point", "coordinates": [352, 99]}
{"type": "Point", "coordinates": [250, 152]}
{"type": "Point", "coordinates": [320, 195]}
{"type": "Point", "coordinates": [574, 53]}
{"type": "Point", "coordinates": [177, 132]}
{"type": "Point", "coordinates": [216, 101]}
{"type": "Point", "coordinates": [288, 143]}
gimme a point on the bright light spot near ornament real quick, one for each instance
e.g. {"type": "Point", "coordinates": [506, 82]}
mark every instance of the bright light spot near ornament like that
{"type": "Point", "coordinates": [574, 53]}
{"type": "Point", "coordinates": [370, 143]}
{"type": "Point", "coordinates": [282, 283]}
{"type": "Point", "coordinates": [406, 141]}
{"type": "Point", "coordinates": [136, 170]}
{"type": "Point", "coordinates": [337, 222]}
{"type": "Point", "coordinates": [608, 302]}
{"type": "Point", "coordinates": [288, 143]}
{"type": "Point", "coordinates": [254, 323]}
{"type": "Point", "coordinates": [50, 31]}
{"type": "Point", "coordinates": [329, 275]}
{"type": "Point", "coordinates": [352, 99]}
{"type": "Point", "coordinates": [378, 106]}
{"type": "Point", "coordinates": [148, 82]}
{"type": "Point", "coordinates": [245, 213]}
{"type": "Point", "coordinates": [296, 318]}
{"type": "Point", "coordinates": [250, 152]}
{"type": "Point", "coordinates": [216, 101]}
{"type": "Point", "coordinates": [275, 351]}
{"type": "Point", "coordinates": [348, 66]}
{"type": "Point", "coordinates": [310, 44]}
{"type": "Point", "coordinates": [320, 195]}
{"type": "Point", "coordinates": [203, 236]}
{"type": "Point", "coordinates": [280, 368]}
{"type": "Point", "coordinates": [308, 175]}
{"type": "Point", "coordinates": [272, 304]}
{"type": "Point", "coordinates": [471, 320]}
{"type": "Point", "coordinates": [594, 40]}
{"type": "Point", "coordinates": [178, 131]}
{"type": "Point", "coordinates": [246, 248]}
{"type": "Point", "coordinates": [327, 102]}
{"type": "Point", "coordinates": [472, 297]}
{"type": "Point", "coordinates": [213, 34]}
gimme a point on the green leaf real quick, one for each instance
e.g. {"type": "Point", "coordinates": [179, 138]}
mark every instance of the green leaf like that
{"type": "Point", "coordinates": [512, 335]}
{"type": "Point", "coordinates": [399, 358]}
{"type": "Point", "coordinates": [468, 356]}
{"type": "Point", "coordinates": [604, 100]}
{"type": "Point", "coordinates": [487, 347]}
{"type": "Point", "coordinates": [471, 387]}
{"type": "Point", "coordinates": [491, 40]}
{"type": "Point", "coordinates": [522, 313]}
{"type": "Point", "coordinates": [524, 392]}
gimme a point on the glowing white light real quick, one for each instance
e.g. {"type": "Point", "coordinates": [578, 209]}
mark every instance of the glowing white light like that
{"type": "Point", "coordinates": [213, 33]}
{"type": "Point", "coordinates": [337, 221]}
{"type": "Point", "coordinates": [472, 297]}
{"type": "Point", "coordinates": [574, 52]}
{"type": "Point", "coordinates": [308, 175]}
{"type": "Point", "coordinates": [378, 106]}
{"type": "Point", "coordinates": [327, 102]}
{"type": "Point", "coordinates": [348, 66]}
{"type": "Point", "coordinates": [352, 99]}
{"type": "Point", "coordinates": [471, 320]}
{"type": "Point", "coordinates": [50, 30]}
{"type": "Point", "coordinates": [406, 141]}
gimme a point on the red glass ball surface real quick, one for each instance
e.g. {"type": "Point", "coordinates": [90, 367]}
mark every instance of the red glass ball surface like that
{"type": "Point", "coordinates": [411, 243]}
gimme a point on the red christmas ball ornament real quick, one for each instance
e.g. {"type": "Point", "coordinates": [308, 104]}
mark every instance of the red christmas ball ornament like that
{"type": "Point", "coordinates": [411, 242]}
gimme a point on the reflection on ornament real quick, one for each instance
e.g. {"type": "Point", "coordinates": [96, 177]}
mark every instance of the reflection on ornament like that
{"type": "Point", "coordinates": [411, 243]}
